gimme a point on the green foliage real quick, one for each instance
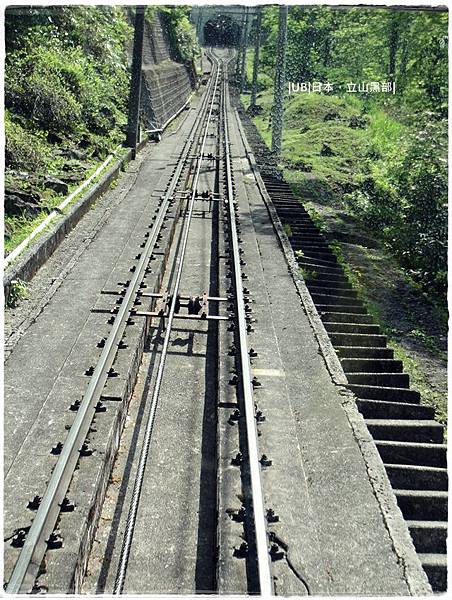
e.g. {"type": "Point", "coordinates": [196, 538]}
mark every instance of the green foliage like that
{"type": "Point", "coordinates": [71, 76]}
{"type": "Point", "coordinates": [66, 91]}
{"type": "Point", "coordinates": [420, 180]}
{"type": "Point", "coordinates": [287, 230]}
{"type": "Point", "coordinates": [24, 149]}
{"type": "Point", "coordinates": [359, 44]}
{"type": "Point", "coordinates": [17, 292]}
{"type": "Point", "coordinates": [380, 156]}
{"type": "Point", "coordinates": [181, 32]}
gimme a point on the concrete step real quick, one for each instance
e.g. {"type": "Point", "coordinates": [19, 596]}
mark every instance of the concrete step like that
{"type": "Point", "coordinates": [330, 300]}
{"type": "Point", "coordinates": [366, 328]}
{"type": "Point", "coordinates": [416, 477]}
{"type": "Point", "coordinates": [324, 257]}
{"type": "Point", "coordinates": [315, 288]}
{"type": "Point", "coordinates": [358, 339]}
{"type": "Point", "coordinates": [379, 409]}
{"type": "Point", "coordinates": [408, 430]}
{"type": "Point", "coordinates": [315, 260]}
{"type": "Point", "coordinates": [299, 228]}
{"type": "Point", "coordinates": [338, 317]}
{"type": "Point", "coordinates": [304, 236]}
{"type": "Point", "coordinates": [333, 279]}
{"type": "Point", "coordinates": [422, 505]}
{"type": "Point", "coordinates": [388, 394]}
{"type": "Point", "coordinates": [371, 365]}
{"type": "Point", "coordinates": [289, 212]}
{"type": "Point", "coordinates": [398, 380]}
{"type": "Point", "coordinates": [357, 309]}
{"type": "Point", "coordinates": [298, 219]}
{"type": "Point", "coordinates": [363, 352]}
{"type": "Point", "coordinates": [429, 537]}
{"type": "Point", "coordinates": [412, 453]}
{"type": "Point", "coordinates": [435, 566]}
{"type": "Point", "coordinates": [305, 245]}
{"type": "Point", "coordinates": [286, 198]}
{"type": "Point", "coordinates": [330, 284]}
{"type": "Point", "coordinates": [314, 265]}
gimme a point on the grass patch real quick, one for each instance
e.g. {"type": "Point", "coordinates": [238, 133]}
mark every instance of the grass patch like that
{"type": "Point", "coordinates": [420, 383]}
{"type": "Point", "coordinates": [20, 227]}
{"type": "Point", "coordinates": [18, 291]}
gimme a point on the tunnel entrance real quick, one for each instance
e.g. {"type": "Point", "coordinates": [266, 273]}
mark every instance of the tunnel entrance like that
{"type": "Point", "coordinates": [221, 31]}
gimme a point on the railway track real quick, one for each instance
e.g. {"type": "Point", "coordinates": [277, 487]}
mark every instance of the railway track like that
{"type": "Point", "coordinates": [408, 438]}
{"type": "Point", "coordinates": [192, 501]}
{"type": "Point", "coordinates": [184, 189]}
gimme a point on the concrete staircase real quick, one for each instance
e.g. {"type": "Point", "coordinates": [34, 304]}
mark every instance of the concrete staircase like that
{"type": "Point", "coordinates": [408, 438]}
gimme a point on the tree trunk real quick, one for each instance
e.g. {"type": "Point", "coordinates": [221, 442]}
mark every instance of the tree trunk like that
{"type": "Point", "coordinates": [393, 46]}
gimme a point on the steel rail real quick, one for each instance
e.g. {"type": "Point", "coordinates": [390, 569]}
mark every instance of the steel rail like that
{"type": "Point", "coordinates": [260, 529]}
{"type": "Point", "coordinates": [30, 558]}
{"type": "Point", "coordinates": [135, 499]}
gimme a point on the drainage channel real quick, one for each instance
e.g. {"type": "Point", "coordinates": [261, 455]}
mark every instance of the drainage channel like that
{"type": "Point", "coordinates": [408, 438]}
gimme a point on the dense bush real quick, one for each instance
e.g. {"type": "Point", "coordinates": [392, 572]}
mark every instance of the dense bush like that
{"type": "Point", "coordinates": [181, 32]}
{"type": "Point", "coordinates": [407, 203]}
{"type": "Point", "coordinates": [65, 74]}
{"type": "Point", "coordinates": [25, 150]}
{"type": "Point", "coordinates": [387, 163]}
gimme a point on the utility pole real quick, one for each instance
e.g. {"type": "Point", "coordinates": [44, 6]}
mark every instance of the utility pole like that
{"type": "Point", "coordinates": [280, 74]}
{"type": "Point", "coordinates": [257, 47]}
{"type": "Point", "coordinates": [238, 74]}
{"type": "Point", "coordinates": [135, 82]}
{"type": "Point", "coordinates": [245, 43]}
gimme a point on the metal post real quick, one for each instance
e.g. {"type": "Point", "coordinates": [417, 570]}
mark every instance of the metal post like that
{"type": "Point", "coordinates": [280, 73]}
{"type": "Point", "coordinates": [257, 47]}
{"type": "Point", "coordinates": [245, 43]}
{"type": "Point", "coordinates": [135, 82]}
{"type": "Point", "coordinates": [238, 74]}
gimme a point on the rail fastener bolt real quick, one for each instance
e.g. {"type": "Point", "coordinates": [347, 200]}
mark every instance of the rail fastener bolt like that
{"type": "Point", "coordinates": [237, 460]}
{"type": "Point", "coordinates": [34, 503]}
{"type": "Point", "coordinates": [67, 505]}
{"type": "Point", "coordinates": [265, 461]}
{"type": "Point", "coordinates": [85, 450]}
{"type": "Point", "coordinates": [55, 541]}
{"type": "Point", "coordinates": [75, 406]}
{"type": "Point", "coordinates": [18, 539]}
{"type": "Point", "coordinates": [256, 383]}
{"type": "Point", "coordinates": [276, 553]}
{"type": "Point", "coordinates": [57, 449]}
{"type": "Point", "coordinates": [271, 516]}
{"type": "Point", "coordinates": [260, 418]}
{"type": "Point", "coordinates": [242, 551]}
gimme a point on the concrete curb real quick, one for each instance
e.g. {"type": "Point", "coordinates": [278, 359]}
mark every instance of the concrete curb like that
{"type": "Point", "coordinates": [398, 531]}
{"type": "Point", "coordinates": [45, 246]}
